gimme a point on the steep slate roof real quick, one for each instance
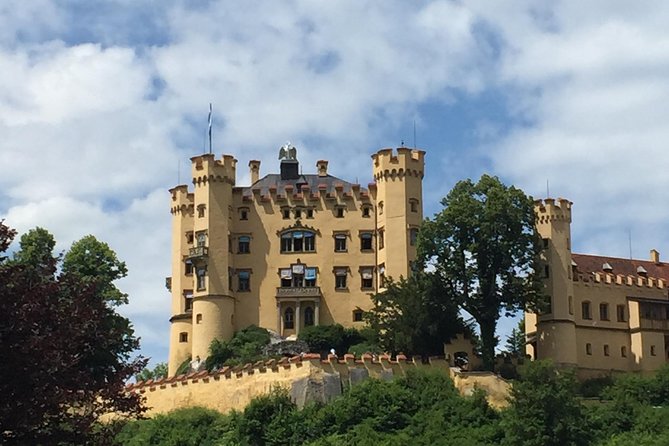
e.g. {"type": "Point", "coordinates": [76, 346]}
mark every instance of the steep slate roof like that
{"type": "Point", "coordinates": [588, 264]}
{"type": "Point", "coordinates": [274, 181]}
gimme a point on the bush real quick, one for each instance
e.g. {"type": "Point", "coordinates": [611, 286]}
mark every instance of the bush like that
{"type": "Point", "coordinates": [246, 346]}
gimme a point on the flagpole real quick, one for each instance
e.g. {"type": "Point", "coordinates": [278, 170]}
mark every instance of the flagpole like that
{"type": "Point", "coordinates": [210, 112]}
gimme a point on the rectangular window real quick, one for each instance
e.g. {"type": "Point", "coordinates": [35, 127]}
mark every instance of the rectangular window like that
{"type": "Point", "coordinates": [381, 240]}
{"type": "Point", "coordinates": [298, 213]}
{"type": "Point", "coordinates": [544, 242]}
{"type": "Point", "coordinates": [623, 352]}
{"type": "Point", "coordinates": [413, 205]}
{"type": "Point", "coordinates": [366, 211]}
{"type": "Point", "coordinates": [652, 350]}
{"type": "Point", "coordinates": [357, 316]}
{"type": "Point", "coordinates": [286, 275]}
{"type": "Point", "coordinates": [585, 310]}
{"type": "Point", "coordinates": [571, 305]}
{"type": "Point", "coordinates": [367, 278]}
{"type": "Point", "coordinates": [382, 274]}
{"type": "Point", "coordinates": [230, 274]}
{"type": "Point", "coordinates": [310, 277]}
{"type": "Point", "coordinates": [188, 301]}
{"type": "Point", "coordinates": [604, 311]}
{"type": "Point", "coordinates": [309, 242]}
{"type": "Point", "coordinates": [413, 236]}
{"type": "Point", "coordinates": [366, 241]}
{"type": "Point", "coordinates": [189, 267]}
{"type": "Point", "coordinates": [183, 337]}
{"type": "Point", "coordinates": [340, 243]}
{"type": "Point", "coordinates": [340, 278]}
{"type": "Point", "coordinates": [286, 214]}
{"type": "Point", "coordinates": [310, 213]}
{"type": "Point", "coordinates": [588, 349]}
{"type": "Point", "coordinates": [546, 272]}
{"type": "Point", "coordinates": [339, 212]}
{"type": "Point", "coordinates": [200, 210]}
{"type": "Point", "coordinates": [606, 350]}
{"type": "Point", "coordinates": [201, 279]}
{"type": "Point", "coordinates": [189, 237]}
{"type": "Point", "coordinates": [620, 313]}
{"type": "Point", "coordinates": [243, 214]}
{"type": "Point", "coordinates": [244, 245]}
{"type": "Point", "coordinates": [244, 281]}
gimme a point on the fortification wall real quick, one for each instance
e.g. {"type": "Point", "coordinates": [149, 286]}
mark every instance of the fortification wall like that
{"type": "Point", "coordinates": [307, 378]}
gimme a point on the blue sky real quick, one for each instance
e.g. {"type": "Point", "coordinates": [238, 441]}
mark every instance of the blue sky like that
{"type": "Point", "coordinates": [101, 101]}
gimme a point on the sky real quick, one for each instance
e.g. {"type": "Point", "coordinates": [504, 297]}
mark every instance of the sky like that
{"type": "Point", "coordinates": [103, 103]}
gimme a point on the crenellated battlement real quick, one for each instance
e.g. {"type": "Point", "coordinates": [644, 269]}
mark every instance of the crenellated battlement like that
{"type": "Point", "coordinates": [404, 162]}
{"type": "Point", "coordinates": [307, 377]}
{"type": "Point", "coordinates": [182, 201]}
{"type": "Point", "coordinates": [621, 280]}
{"type": "Point", "coordinates": [206, 169]}
{"type": "Point", "coordinates": [549, 209]}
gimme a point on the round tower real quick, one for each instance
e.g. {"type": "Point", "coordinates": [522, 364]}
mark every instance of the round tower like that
{"type": "Point", "coordinates": [399, 207]}
{"type": "Point", "coordinates": [555, 328]}
{"type": "Point", "coordinates": [213, 303]}
{"type": "Point", "coordinates": [179, 283]}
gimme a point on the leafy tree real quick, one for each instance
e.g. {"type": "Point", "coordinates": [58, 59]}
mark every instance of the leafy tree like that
{"type": "Point", "coordinates": [515, 342]}
{"type": "Point", "coordinates": [544, 410]}
{"type": "Point", "coordinates": [158, 372]}
{"type": "Point", "coordinates": [36, 251]}
{"type": "Point", "coordinates": [414, 316]}
{"type": "Point", "coordinates": [484, 247]}
{"type": "Point", "coordinates": [323, 338]}
{"type": "Point", "coordinates": [94, 260]}
{"type": "Point", "coordinates": [65, 354]}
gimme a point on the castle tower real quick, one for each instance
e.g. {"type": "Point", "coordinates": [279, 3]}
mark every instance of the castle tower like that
{"type": "Point", "coordinates": [180, 284]}
{"type": "Point", "coordinates": [555, 329]}
{"type": "Point", "coordinates": [399, 202]}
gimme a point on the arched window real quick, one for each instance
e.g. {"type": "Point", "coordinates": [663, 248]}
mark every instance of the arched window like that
{"type": "Point", "coordinates": [308, 316]}
{"type": "Point", "coordinates": [298, 241]}
{"type": "Point", "coordinates": [289, 318]}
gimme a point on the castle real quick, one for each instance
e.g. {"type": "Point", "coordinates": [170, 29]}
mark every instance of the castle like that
{"type": "Point", "coordinates": [606, 314]}
{"type": "Point", "coordinates": [289, 251]}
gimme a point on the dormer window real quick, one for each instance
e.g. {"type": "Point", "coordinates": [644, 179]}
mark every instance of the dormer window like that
{"type": "Point", "coordinates": [243, 213]}
{"type": "Point", "coordinates": [339, 212]}
{"type": "Point", "coordinates": [640, 270]}
{"type": "Point", "coordinates": [607, 267]}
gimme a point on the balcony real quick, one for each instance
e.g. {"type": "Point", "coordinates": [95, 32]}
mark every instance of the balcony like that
{"type": "Point", "coordinates": [296, 292]}
{"type": "Point", "coordinates": [198, 254]}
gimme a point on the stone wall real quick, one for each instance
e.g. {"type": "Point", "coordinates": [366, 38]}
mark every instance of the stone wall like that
{"type": "Point", "coordinates": [307, 378]}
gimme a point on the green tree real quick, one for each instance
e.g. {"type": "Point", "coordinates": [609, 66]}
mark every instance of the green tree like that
{"type": "Point", "coordinates": [414, 316]}
{"type": "Point", "coordinates": [36, 251]}
{"type": "Point", "coordinates": [484, 247]}
{"type": "Point", "coordinates": [158, 372]}
{"type": "Point", "coordinates": [65, 353]}
{"type": "Point", "coordinates": [95, 261]}
{"type": "Point", "coordinates": [515, 342]}
{"type": "Point", "coordinates": [244, 347]}
{"type": "Point", "coordinates": [544, 410]}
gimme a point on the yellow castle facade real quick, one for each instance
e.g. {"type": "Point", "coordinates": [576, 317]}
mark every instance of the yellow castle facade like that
{"type": "Point", "coordinates": [606, 314]}
{"type": "Point", "coordinates": [288, 251]}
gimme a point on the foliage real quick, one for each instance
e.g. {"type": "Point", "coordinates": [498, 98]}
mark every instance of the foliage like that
{"type": "Point", "coordinates": [245, 346]}
{"type": "Point", "coordinates": [158, 372]}
{"type": "Point", "coordinates": [595, 387]}
{"type": "Point", "coordinates": [65, 352]}
{"type": "Point", "coordinates": [184, 366]}
{"type": "Point", "coordinates": [182, 427]}
{"type": "Point", "coordinates": [414, 316]}
{"type": "Point", "coordinates": [95, 261]}
{"type": "Point", "coordinates": [484, 247]}
{"type": "Point", "coordinates": [544, 410]}
{"type": "Point", "coordinates": [515, 342]}
{"type": "Point", "coordinates": [323, 338]}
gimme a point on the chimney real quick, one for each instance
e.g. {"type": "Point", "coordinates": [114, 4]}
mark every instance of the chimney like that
{"type": "Point", "coordinates": [254, 166]}
{"type": "Point", "coordinates": [322, 167]}
{"type": "Point", "coordinates": [654, 256]}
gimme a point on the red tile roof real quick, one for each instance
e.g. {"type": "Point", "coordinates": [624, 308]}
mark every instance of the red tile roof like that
{"type": "Point", "coordinates": [588, 264]}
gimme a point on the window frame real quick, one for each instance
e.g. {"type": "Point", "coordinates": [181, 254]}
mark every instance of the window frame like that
{"type": "Point", "coordinates": [586, 310]}
{"type": "Point", "coordinates": [308, 239]}
{"type": "Point", "coordinates": [243, 280]}
{"type": "Point", "coordinates": [244, 244]}
{"type": "Point", "coordinates": [341, 278]}
{"type": "Point", "coordinates": [604, 312]}
{"type": "Point", "coordinates": [340, 242]}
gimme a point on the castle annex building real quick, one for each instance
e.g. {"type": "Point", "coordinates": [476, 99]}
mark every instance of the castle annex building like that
{"type": "Point", "coordinates": [606, 314]}
{"type": "Point", "coordinates": [288, 251]}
